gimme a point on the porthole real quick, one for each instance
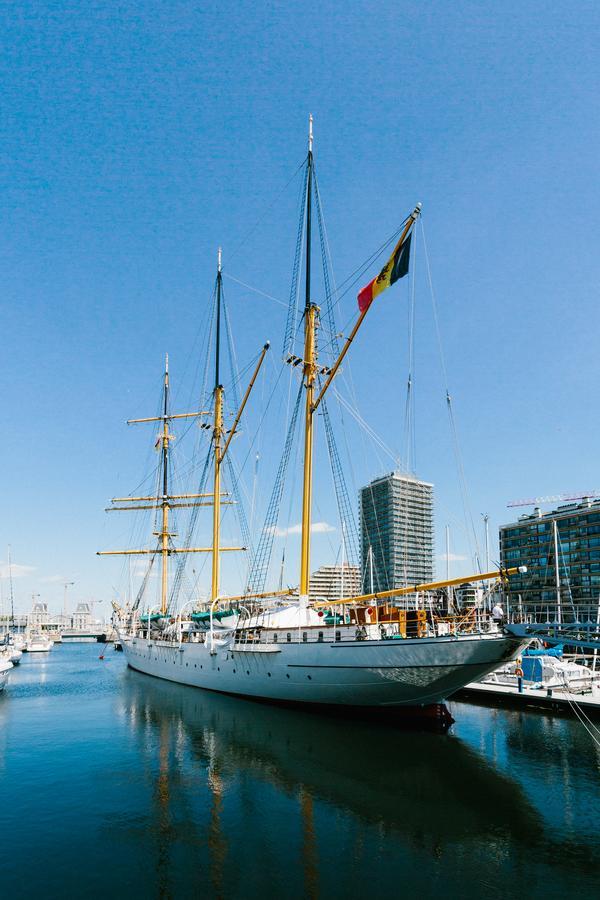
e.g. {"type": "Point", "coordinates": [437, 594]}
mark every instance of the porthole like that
{"type": "Point", "coordinates": [218, 668]}
{"type": "Point", "coordinates": [309, 677]}
{"type": "Point", "coordinates": [247, 671]}
{"type": "Point", "coordinates": [287, 675]}
{"type": "Point", "coordinates": [269, 674]}
{"type": "Point", "coordinates": [234, 671]}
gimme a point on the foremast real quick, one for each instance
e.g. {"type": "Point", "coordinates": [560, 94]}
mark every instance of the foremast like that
{"type": "Point", "coordinates": [220, 440]}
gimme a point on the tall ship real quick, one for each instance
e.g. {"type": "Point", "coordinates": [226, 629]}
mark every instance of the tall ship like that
{"type": "Point", "coordinates": [374, 650]}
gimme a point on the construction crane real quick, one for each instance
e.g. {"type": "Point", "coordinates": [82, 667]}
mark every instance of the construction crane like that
{"type": "Point", "coordinates": [556, 498]}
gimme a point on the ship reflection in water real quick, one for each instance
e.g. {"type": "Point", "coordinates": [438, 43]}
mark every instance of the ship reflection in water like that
{"type": "Point", "coordinates": [253, 800]}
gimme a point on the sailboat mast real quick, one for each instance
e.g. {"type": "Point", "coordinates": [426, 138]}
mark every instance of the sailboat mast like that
{"type": "Point", "coordinates": [164, 535]}
{"type": "Point", "coordinates": [12, 596]}
{"type": "Point", "coordinates": [217, 436]}
{"type": "Point", "coordinates": [310, 321]}
{"type": "Point", "coordinates": [557, 572]}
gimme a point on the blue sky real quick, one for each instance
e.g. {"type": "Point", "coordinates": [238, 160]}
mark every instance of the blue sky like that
{"type": "Point", "coordinates": [137, 137]}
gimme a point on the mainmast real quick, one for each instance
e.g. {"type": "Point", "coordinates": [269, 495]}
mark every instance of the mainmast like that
{"type": "Point", "coordinates": [309, 374]}
{"type": "Point", "coordinates": [310, 370]}
{"type": "Point", "coordinates": [217, 436]}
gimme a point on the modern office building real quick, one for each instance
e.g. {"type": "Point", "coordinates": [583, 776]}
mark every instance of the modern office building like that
{"type": "Point", "coordinates": [333, 582]}
{"type": "Point", "coordinates": [396, 525]}
{"type": "Point", "coordinates": [571, 576]}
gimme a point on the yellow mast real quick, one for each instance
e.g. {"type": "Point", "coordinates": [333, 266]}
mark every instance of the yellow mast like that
{"type": "Point", "coordinates": [216, 541]}
{"type": "Point", "coordinates": [218, 435]}
{"type": "Point", "coordinates": [309, 374]}
{"type": "Point", "coordinates": [311, 311]}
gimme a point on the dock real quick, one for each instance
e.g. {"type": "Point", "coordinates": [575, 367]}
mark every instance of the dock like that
{"type": "Point", "coordinates": [532, 698]}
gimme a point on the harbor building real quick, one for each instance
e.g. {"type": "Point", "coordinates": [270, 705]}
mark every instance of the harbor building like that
{"type": "Point", "coordinates": [335, 582]}
{"type": "Point", "coordinates": [82, 617]}
{"type": "Point", "coordinates": [561, 549]}
{"type": "Point", "coordinates": [39, 615]}
{"type": "Point", "coordinates": [396, 532]}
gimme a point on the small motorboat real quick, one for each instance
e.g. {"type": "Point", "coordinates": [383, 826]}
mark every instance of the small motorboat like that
{"type": "Point", "coordinates": [38, 643]}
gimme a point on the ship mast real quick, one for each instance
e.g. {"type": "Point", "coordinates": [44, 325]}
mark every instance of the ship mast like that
{"type": "Point", "coordinates": [310, 370]}
{"type": "Point", "coordinates": [166, 501]}
{"type": "Point", "coordinates": [309, 374]}
{"type": "Point", "coordinates": [164, 533]}
{"type": "Point", "coordinates": [218, 457]}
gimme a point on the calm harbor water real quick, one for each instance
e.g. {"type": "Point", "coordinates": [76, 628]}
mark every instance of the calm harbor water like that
{"type": "Point", "coordinates": [116, 784]}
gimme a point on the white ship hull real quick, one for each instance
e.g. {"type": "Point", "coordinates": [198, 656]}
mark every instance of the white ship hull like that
{"type": "Point", "coordinates": [382, 673]}
{"type": "Point", "coordinates": [5, 668]}
{"type": "Point", "coordinates": [41, 645]}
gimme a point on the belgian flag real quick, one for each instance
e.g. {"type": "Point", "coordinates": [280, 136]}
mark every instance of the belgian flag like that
{"type": "Point", "coordinates": [395, 268]}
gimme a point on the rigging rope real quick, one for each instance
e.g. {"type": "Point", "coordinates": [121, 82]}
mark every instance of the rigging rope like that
{"type": "Point", "coordinates": [328, 305]}
{"type": "Point", "coordinates": [409, 411]}
{"type": "Point", "coordinates": [464, 491]}
{"type": "Point", "coordinates": [261, 560]}
{"type": "Point", "coordinates": [181, 562]}
{"type": "Point", "coordinates": [237, 499]}
{"type": "Point", "coordinates": [231, 354]}
{"type": "Point", "coordinates": [292, 316]}
{"type": "Point", "coordinates": [345, 511]}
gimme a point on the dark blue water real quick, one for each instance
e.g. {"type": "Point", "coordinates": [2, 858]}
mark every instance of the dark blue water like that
{"type": "Point", "coordinates": [114, 784]}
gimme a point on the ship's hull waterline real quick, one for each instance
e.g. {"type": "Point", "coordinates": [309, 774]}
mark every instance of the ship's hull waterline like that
{"type": "Point", "coordinates": [369, 674]}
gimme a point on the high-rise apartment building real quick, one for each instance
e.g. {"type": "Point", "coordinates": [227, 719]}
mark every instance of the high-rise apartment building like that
{"type": "Point", "coordinates": [335, 582]}
{"type": "Point", "coordinates": [561, 550]}
{"type": "Point", "coordinates": [396, 525]}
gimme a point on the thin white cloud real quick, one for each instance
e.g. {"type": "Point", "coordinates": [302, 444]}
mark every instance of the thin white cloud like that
{"type": "Point", "coordinates": [53, 579]}
{"type": "Point", "coordinates": [452, 557]}
{"type": "Point", "coordinates": [15, 570]}
{"type": "Point", "coordinates": [316, 528]}
{"type": "Point", "coordinates": [140, 569]}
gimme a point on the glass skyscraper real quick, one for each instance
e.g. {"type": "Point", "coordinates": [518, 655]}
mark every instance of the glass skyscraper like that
{"type": "Point", "coordinates": [396, 525]}
{"type": "Point", "coordinates": [532, 541]}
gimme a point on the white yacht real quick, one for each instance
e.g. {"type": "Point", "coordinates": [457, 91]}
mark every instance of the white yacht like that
{"type": "Point", "coordinates": [5, 667]}
{"type": "Point", "coordinates": [35, 642]}
{"type": "Point", "coordinates": [547, 670]}
{"type": "Point", "coordinates": [11, 653]}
